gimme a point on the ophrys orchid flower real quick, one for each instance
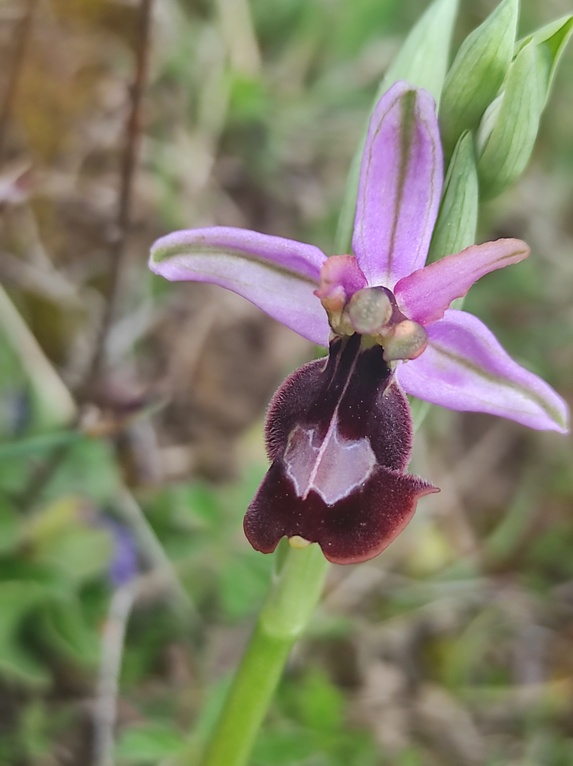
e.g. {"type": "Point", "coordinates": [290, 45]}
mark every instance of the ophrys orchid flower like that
{"type": "Point", "coordinates": [339, 432]}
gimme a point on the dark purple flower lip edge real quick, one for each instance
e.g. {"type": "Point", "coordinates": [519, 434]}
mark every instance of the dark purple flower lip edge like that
{"type": "Point", "coordinates": [339, 435]}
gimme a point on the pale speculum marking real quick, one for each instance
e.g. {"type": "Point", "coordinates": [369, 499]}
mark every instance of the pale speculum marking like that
{"type": "Point", "coordinates": [332, 468]}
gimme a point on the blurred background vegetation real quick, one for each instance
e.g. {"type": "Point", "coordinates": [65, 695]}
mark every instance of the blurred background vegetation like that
{"type": "Point", "coordinates": [128, 454]}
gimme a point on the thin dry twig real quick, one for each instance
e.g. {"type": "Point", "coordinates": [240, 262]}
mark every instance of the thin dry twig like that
{"type": "Point", "coordinates": [151, 550]}
{"type": "Point", "coordinates": [112, 643]}
{"type": "Point", "coordinates": [132, 140]}
{"type": "Point", "coordinates": [145, 587]}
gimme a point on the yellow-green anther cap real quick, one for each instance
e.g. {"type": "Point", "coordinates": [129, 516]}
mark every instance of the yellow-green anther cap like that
{"type": "Point", "coordinates": [369, 310]}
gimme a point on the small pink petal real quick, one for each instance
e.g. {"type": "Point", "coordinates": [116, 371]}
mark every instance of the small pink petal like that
{"type": "Point", "coordinates": [277, 275]}
{"type": "Point", "coordinates": [400, 186]}
{"type": "Point", "coordinates": [340, 278]}
{"type": "Point", "coordinates": [425, 294]}
{"type": "Point", "coordinates": [465, 368]}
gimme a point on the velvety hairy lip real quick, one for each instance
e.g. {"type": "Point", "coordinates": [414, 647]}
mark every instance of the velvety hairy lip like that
{"type": "Point", "coordinates": [339, 435]}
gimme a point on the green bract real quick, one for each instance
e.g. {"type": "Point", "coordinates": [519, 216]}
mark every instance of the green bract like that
{"type": "Point", "coordinates": [477, 73]}
{"type": "Point", "coordinates": [508, 131]}
{"type": "Point", "coordinates": [550, 41]}
{"type": "Point", "coordinates": [457, 220]}
{"type": "Point", "coordinates": [509, 127]}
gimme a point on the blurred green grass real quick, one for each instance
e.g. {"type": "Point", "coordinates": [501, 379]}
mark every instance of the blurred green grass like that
{"type": "Point", "coordinates": [454, 647]}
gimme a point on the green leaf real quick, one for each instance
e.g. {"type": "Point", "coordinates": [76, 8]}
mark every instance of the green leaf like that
{"type": "Point", "coordinates": [33, 445]}
{"type": "Point", "coordinates": [50, 581]}
{"type": "Point", "coordinates": [457, 220]}
{"type": "Point", "coordinates": [19, 666]}
{"type": "Point", "coordinates": [149, 744]}
{"type": "Point", "coordinates": [513, 120]}
{"type": "Point", "coordinates": [477, 73]}
{"type": "Point", "coordinates": [244, 582]}
{"type": "Point", "coordinates": [62, 627]}
{"type": "Point", "coordinates": [203, 503]}
{"type": "Point", "coordinates": [286, 748]}
{"type": "Point", "coordinates": [17, 599]}
{"type": "Point", "coordinates": [26, 588]}
{"type": "Point", "coordinates": [10, 527]}
{"type": "Point", "coordinates": [81, 553]}
{"type": "Point", "coordinates": [550, 41]}
{"type": "Point", "coordinates": [90, 470]}
{"type": "Point", "coordinates": [320, 703]}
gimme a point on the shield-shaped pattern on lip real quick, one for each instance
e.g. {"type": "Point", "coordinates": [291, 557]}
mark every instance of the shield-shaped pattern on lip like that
{"type": "Point", "coordinates": [339, 436]}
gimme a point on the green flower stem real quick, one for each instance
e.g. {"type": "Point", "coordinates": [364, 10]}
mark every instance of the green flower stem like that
{"type": "Point", "coordinates": [282, 620]}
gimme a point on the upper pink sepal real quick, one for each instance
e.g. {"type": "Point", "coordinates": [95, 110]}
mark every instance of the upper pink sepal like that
{"type": "Point", "coordinates": [400, 185]}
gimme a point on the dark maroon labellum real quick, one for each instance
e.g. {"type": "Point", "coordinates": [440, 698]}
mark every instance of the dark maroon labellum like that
{"type": "Point", "coordinates": [339, 435]}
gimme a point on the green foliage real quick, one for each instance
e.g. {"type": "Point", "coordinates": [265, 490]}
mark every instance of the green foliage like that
{"type": "Point", "coordinates": [10, 530]}
{"type": "Point", "coordinates": [248, 101]}
{"type": "Point", "coordinates": [314, 731]}
{"type": "Point", "coordinates": [48, 559]}
{"type": "Point", "coordinates": [149, 745]}
{"type": "Point", "coordinates": [243, 583]}
{"type": "Point", "coordinates": [39, 593]}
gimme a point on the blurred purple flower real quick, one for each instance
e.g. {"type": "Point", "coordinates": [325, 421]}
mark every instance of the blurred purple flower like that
{"type": "Point", "coordinates": [339, 434]}
{"type": "Point", "coordinates": [124, 562]}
